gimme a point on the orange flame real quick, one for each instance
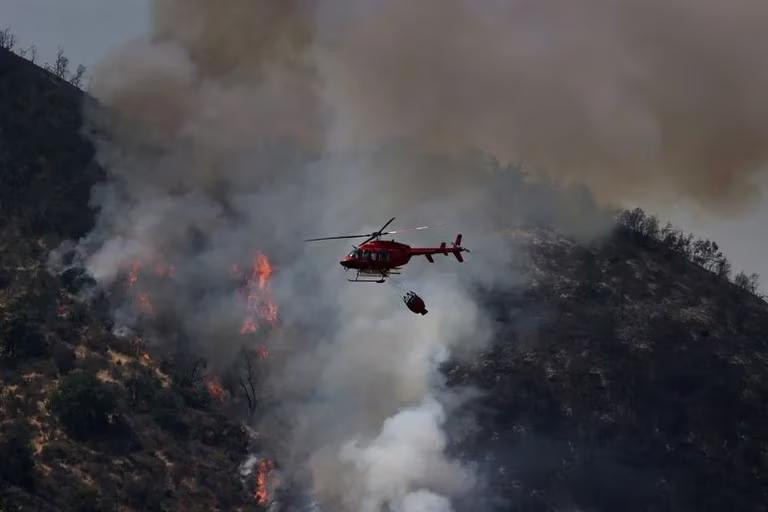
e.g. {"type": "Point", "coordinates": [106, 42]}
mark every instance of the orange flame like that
{"type": "Point", "coordinates": [263, 269]}
{"type": "Point", "coordinates": [260, 305]}
{"type": "Point", "coordinates": [163, 270]}
{"type": "Point", "coordinates": [145, 304]}
{"type": "Point", "coordinates": [143, 300]}
{"type": "Point", "coordinates": [215, 388]}
{"type": "Point", "coordinates": [141, 350]}
{"type": "Point", "coordinates": [261, 493]}
{"type": "Point", "coordinates": [262, 353]}
{"type": "Point", "coordinates": [133, 275]}
{"type": "Point", "coordinates": [63, 311]}
{"type": "Point", "coordinates": [249, 326]}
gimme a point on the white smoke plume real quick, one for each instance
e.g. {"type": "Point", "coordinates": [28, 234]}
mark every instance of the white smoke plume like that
{"type": "Point", "coordinates": [406, 455]}
{"type": "Point", "coordinates": [242, 127]}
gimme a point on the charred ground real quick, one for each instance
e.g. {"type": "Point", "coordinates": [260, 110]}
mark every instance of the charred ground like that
{"type": "Point", "coordinates": [623, 375]}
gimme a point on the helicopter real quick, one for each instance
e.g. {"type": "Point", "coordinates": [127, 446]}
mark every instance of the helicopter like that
{"type": "Point", "coordinates": [375, 260]}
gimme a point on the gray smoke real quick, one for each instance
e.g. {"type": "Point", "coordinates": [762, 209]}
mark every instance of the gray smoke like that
{"type": "Point", "coordinates": [637, 99]}
{"type": "Point", "coordinates": [244, 127]}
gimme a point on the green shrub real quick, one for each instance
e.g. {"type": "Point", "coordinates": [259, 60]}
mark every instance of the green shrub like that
{"type": "Point", "coordinates": [167, 411]}
{"type": "Point", "coordinates": [64, 358]}
{"type": "Point", "coordinates": [84, 404]}
{"type": "Point", "coordinates": [85, 499]}
{"type": "Point", "coordinates": [20, 339]}
{"type": "Point", "coordinates": [197, 397]}
{"type": "Point", "coordinates": [142, 389]}
{"type": "Point", "coordinates": [16, 464]}
{"type": "Point", "coordinates": [145, 492]}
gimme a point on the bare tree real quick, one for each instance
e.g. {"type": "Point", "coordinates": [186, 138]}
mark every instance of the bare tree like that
{"type": "Point", "coordinates": [7, 39]}
{"type": "Point", "coordinates": [186, 370]}
{"type": "Point", "coordinates": [248, 380]}
{"type": "Point", "coordinates": [77, 78]}
{"type": "Point", "coordinates": [32, 53]}
{"type": "Point", "coordinates": [723, 267]}
{"type": "Point", "coordinates": [747, 282]}
{"type": "Point", "coordinates": [61, 66]}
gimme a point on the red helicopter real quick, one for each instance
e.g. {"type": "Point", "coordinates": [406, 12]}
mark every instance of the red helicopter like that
{"type": "Point", "coordinates": [375, 260]}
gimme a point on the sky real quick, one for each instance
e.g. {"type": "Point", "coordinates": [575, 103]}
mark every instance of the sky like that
{"type": "Point", "coordinates": [88, 29]}
{"type": "Point", "coordinates": [85, 29]}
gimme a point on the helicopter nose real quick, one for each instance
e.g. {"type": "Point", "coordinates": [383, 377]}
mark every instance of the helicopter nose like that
{"type": "Point", "coordinates": [344, 263]}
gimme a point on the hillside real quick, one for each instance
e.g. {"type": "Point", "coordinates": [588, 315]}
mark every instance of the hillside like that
{"type": "Point", "coordinates": [88, 421]}
{"type": "Point", "coordinates": [626, 378]}
{"type": "Point", "coordinates": [622, 376]}
{"type": "Point", "coordinates": [46, 166]}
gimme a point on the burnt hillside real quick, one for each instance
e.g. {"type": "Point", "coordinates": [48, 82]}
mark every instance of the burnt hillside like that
{"type": "Point", "coordinates": [88, 421]}
{"type": "Point", "coordinates": [625, 377]}
{"type": "Point", "coordinates": [46, 165]}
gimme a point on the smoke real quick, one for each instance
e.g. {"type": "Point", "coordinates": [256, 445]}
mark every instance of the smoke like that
{"type": "Point", "coordinates": [244, 127]}
{"type": "Point", "coordinates": [636, 99]}
{"type": "Point", "coordinates": [407, 454]}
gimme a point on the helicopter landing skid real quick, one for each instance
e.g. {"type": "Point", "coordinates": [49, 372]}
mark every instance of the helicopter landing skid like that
{"type": "Point", "coordinates": [366, 280]}
{"type": "Point", "coordinates": [381, 278]}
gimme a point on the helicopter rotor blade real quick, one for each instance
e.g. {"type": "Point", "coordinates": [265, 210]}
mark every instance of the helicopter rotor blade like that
{"type": "Point", "coordinates": [396, 231]}
{"type": "Point", "coordinates": [336, 237]}
{"type": "Point", "coordinates": [369, 236]}
{"type": "Point", "coordinates": [381, 231]}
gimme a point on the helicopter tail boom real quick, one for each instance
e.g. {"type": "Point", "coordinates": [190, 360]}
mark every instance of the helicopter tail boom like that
{"type": "Point", "coordinates": [456, 249]}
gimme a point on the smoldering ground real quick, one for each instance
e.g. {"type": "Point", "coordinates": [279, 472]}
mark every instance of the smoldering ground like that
{"type": "Point", "coordinates": [247, 126]}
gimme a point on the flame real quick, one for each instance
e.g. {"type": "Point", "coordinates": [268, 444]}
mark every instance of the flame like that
{"type": "Point", "coordinates": [133, 275]}
{"type": "Point", "coordinates": [143, 300]}
{"type": "Point", "coordinates": [63, 311]}
{"type": "Point", "coordinates": [262, 353]}
{"type": "Point", "coordinates": [163, 270]}
{"type": "Point", "coordinates": [145, 304]}
{"type": "Point", "coordinates": [260, 305]}
{"type": "Point", "coordinates": [263, 269]}
{"type": "Point", "coordinates": [141, 350]}
{"type": "Point", "coordinates": [249, 326]}
{"type": "Point", "coordinates": [215, 388]}
{"type": "Point", "coordinates": [261, 493]}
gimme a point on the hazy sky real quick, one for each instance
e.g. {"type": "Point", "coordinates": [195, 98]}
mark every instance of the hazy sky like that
{"type": "Point", "coordinates": [88, 29]}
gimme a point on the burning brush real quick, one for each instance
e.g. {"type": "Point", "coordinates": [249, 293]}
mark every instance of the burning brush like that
{"type": "Point", "coordinates": [142, 299]}
{"type": "Point", "coordinates": [215, 389]}
{"type": "Point", "coordinates": [260, 471]}
{"type": "Point", "coordinates": [260, 305]}
{"type": "Point", "coordinates": [262, 491]}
